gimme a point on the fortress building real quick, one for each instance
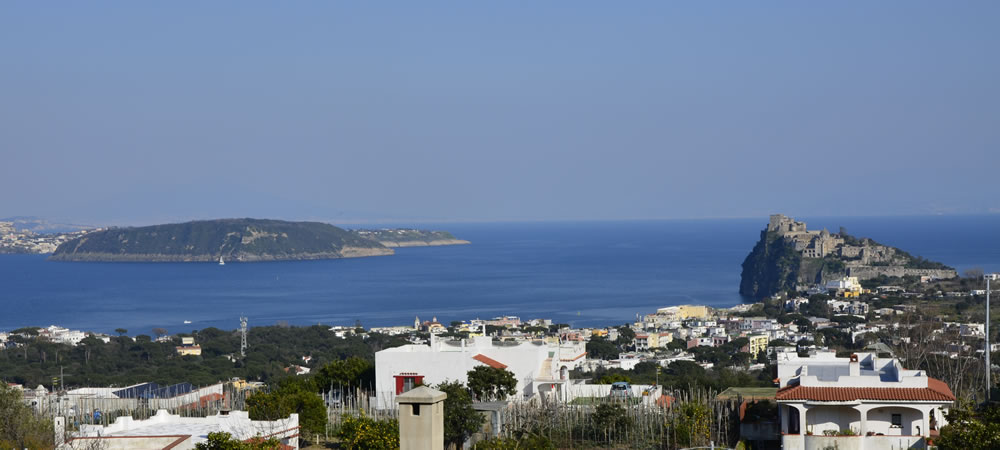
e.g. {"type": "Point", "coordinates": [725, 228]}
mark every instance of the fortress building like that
{"type": "Point", "coordinates": [812, 244]}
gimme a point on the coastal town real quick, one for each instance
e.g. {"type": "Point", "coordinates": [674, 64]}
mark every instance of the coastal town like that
{"type": "Point", "coordinates": [794, 352]}
{"type": "Point", "coordinates": [14, 240]}
{"type": "Point", "coordinates": [881, 349]}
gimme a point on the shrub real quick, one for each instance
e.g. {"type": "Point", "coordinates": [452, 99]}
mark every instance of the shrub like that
{"type": "Point", "coordinates": [532, 441]}
{"type": "Point", "coordinates": [693, 425]}
{"type": "Point", "coordinates": [225, 441]}
{"type": "Point", "coordinates": [364, 433]}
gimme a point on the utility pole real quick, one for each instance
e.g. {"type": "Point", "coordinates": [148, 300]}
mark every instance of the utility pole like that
{"type": "Point", "coordinates": [243, 336]}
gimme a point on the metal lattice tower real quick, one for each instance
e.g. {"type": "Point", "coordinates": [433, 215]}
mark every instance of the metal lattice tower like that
{"type": "Point", "coordinates": [243, 336]}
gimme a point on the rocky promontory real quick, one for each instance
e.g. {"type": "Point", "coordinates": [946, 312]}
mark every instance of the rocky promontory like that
{"type": "Point", "coordinates": [788, 256]}
{"type": "Point", "coordinates": [244, 240]}
{"type": "Point", "coordinates": [409, 237]}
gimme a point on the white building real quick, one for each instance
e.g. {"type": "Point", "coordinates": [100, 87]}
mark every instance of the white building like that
{"type": "Point", "coordinates": [796, 303]}
{"type": "Point", "coordinates": [62, 335]}
{"type": "Point", "coordinates": [861, 402]}
{"type": "Point", "coordinates": [848, 307]}
{"type": "Point", "coordinates": [972, 330]}
{"type": "Point", "coordinates": [165, 430]}
{"type": "Point", "coordinates": [540, 368]}
{"type": "Point", "coordinates": [849, 284]}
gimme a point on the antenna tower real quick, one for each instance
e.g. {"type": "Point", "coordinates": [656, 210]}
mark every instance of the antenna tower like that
{"type": "Point", "coordinates": [243, 336]}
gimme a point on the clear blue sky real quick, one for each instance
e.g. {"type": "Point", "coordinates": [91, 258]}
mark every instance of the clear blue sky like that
{"type": "Point", "coordinates": [137, 112]}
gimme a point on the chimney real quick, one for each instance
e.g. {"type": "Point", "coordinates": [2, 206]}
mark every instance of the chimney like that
{"type": "Point", "coordinates": [421, 419]}
{"type": "Point", "coordinates": [855, 366]}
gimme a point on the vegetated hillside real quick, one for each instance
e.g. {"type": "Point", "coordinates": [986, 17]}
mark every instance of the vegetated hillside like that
{"type": "Point", "coordinates": [231, 239]}
{"type": "Point", "coordinates": [129, 360]}
{"type": "Point", "coordinates": [409, 237]}
{"type": "Point", "coordinates": [772, 266]}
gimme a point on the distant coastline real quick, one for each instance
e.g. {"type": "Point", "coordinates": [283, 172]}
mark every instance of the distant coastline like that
{"type": "Point", "coordinates": [409, 237]}
{"type": "Point", "coordinates": [434, 243]}
{"type": "Point", "coordinates": [583, 273]}
{"type": "Point", "coordinates": [242, 240]}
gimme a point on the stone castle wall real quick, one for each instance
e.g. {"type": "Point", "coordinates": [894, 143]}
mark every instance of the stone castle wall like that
{"type": "Point", "coordinates": [869, 272]}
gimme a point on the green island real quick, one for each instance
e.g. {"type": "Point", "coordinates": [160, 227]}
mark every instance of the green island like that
{"type": "Point", "coordinates": [243, 240]}
{"type": "Point", "coordinates": [790, 257]}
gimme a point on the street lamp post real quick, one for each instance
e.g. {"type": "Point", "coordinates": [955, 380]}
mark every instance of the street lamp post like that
{"type": "Point", "coordinates": [989, 277]}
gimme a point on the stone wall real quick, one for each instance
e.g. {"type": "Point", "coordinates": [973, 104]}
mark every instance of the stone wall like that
{"type": "Point", "coordinates": [869, 272]}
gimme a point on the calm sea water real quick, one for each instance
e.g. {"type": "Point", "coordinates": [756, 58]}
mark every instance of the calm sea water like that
{"type": "Point", "coordinates": [591, 273]}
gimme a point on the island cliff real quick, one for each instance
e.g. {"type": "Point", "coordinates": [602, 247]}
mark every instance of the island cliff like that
{"type": "Point", "coordinates": [230, 239]}
{"type": "Point", "coordinates": [788, 256]}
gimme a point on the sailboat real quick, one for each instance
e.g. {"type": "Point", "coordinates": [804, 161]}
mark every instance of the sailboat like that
{"type": "Point", "coordinates": [221, 262]}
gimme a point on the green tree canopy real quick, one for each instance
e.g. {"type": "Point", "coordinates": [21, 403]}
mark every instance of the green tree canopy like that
{"type": "Point", "coordinates": [601, 348]}
{"type": "Point", "coordinates": [625, 336]}
{"type": "Point", "coordinates": [294, 395]}
{"type": "Point", "coordinates": [20, 426]}
{"type": "Point", "coordinates": [353, 371]}
{"type": "Point", "coordinates": [971, 428]}
{"type": "Point", "coordinates": [460, 420]}
{"type": "Point", "coordinates": [490, 383]}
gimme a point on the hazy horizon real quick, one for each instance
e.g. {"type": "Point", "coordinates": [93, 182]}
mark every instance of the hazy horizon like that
{"type": "Point", "coordinates": [133, 113]}
{"type": "Point", "coordinates": [403, 222]}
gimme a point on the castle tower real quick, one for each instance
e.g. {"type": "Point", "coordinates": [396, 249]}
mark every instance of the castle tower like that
{"type": "Point", "coordinates": [775, 223]}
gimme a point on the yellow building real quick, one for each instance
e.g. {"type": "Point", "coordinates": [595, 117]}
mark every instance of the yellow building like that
{"type": "Point", "coordinates": [684, 312]}
{"type": "Point", "coordinates": [758, 343]}
{"type": "Point", "coordinates": [188, 347]}
{"type": "Point", "coordinates": [847, 287]}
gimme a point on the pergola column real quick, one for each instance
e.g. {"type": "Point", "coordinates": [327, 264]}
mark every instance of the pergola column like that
{"type": "Point", "coordinates": [925, 423]}
{"type": "Point", "coordinates": [863, 409]}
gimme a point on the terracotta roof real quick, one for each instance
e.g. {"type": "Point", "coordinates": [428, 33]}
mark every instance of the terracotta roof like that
{"type": "Point", "coordinates": [489, 361]}
{"type": "Point", "coordinates": [936, 390]}
{"type": "Point", "coordinates": [581, 355]}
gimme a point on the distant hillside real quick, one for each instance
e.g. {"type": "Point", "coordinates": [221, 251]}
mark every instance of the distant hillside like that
{"type": "Point", "coordinates": [408, 237]}
{"type": "Point", "coordinates": [208, 240]}
{"type": "Point", "coordinates": [788, 256]}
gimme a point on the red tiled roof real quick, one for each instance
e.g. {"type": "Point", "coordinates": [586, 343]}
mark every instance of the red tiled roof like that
{"type": "Point", "coordinates": [581, 355]}
{"type": "Point", "coordinates": [489, 361]}
{"type": "Point", "coordinates": [936, 390]}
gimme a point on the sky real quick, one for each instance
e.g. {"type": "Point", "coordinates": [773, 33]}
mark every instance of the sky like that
{"type": "Point", "coordinates": [146, 112]}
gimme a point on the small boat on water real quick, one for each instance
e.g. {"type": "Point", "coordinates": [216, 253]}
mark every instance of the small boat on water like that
{"type": "Point", "coordinates": [221, 261]}
{"type": "Point", "coordinates": [187, 322]}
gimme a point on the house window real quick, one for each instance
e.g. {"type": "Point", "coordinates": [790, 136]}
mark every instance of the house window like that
{"type": "Point", "coordinates": [897, 421]}
{"type": "Point", "coordinates": [416, 409]}
{"type": "Point", "coordinates": [407, 381]}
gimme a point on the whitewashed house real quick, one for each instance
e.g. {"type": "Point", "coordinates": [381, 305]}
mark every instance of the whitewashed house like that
{"type": "Point", "coordinates": [165, 430]}
{"type": "Point", "coordinates": [540, 368]}
{"type": "Point", "coordinates": [860, 402]}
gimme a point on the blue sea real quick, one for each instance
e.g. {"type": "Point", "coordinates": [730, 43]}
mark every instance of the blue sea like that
{"type": "Point", "coordinates": [581, 273]}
